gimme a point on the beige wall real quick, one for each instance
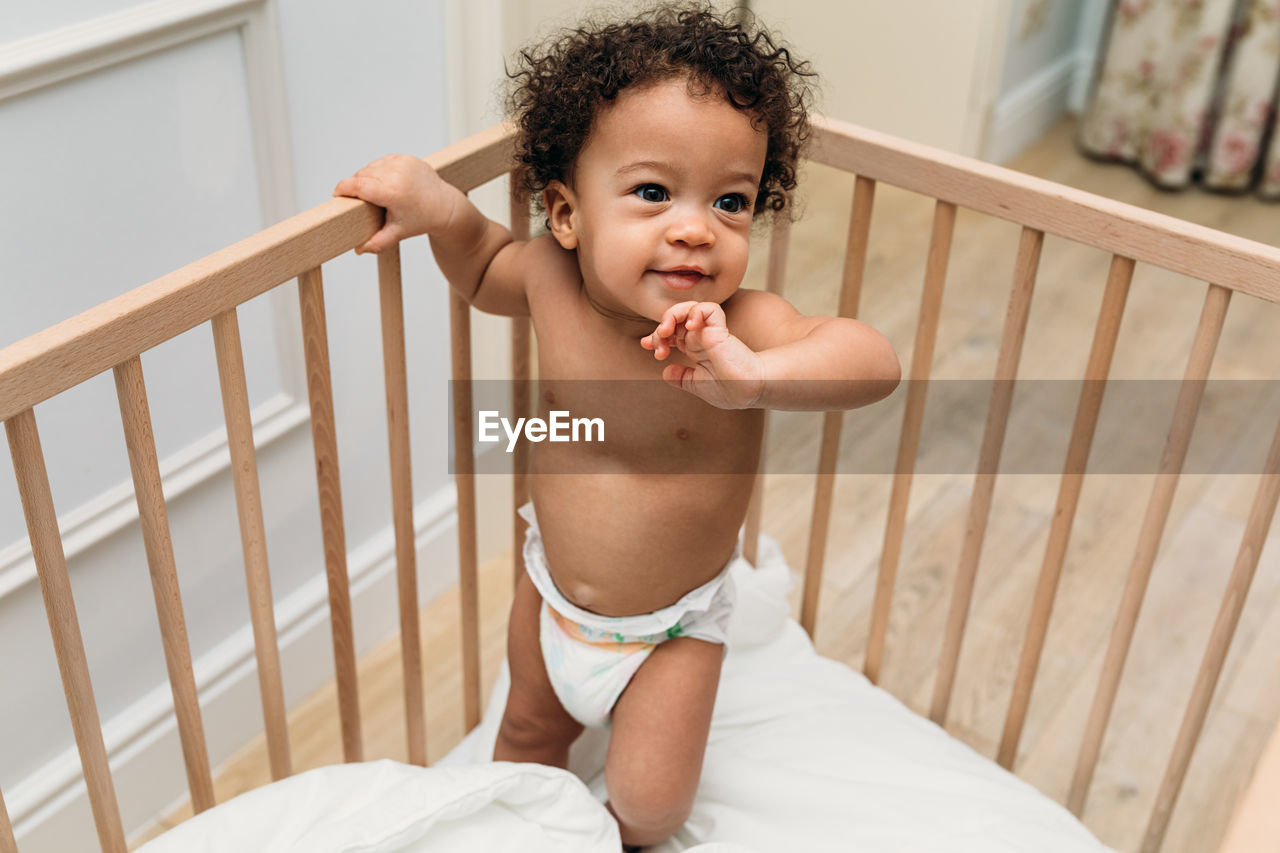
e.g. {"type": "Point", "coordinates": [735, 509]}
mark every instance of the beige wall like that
{"type": "Point", "coordinates": [928, 70]}
{"type": "Point", "coordinates": [527, 19]}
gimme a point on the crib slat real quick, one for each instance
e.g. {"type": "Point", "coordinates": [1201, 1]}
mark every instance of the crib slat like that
{"type": "Point", "coordinates": [391, 303]}
{"type": "Point", "coordinates": [136, 416]}
{"type": "Point", "coordinates": [253, 537]}
{"type": "Point", "coordinates": [855, 260]}
{"type": "Point", "coordinates": [775, 281]}
{"type": "Point", "coordinates": [820, 523]}
{"type": "Point", "coordinates": [1261, 514]}
{"type": "Point", "coordinates": [7, 842]}
{"type": "Point", "coordinates": [1096, 371]}
{"type": "Point", "coordinates": [521, 347]}
{"type": "Point", "coordinates": [775, 276]}
{"type": "Point", "coordinates": [755, 510]}
{"type": "Point", "coordinates": [324, 437]}
{"type": "Point", "coordinates": [935, 275]}
{"type": "Point", "coordinates": [1175, 450]}
{"type": "Point", "coordinates": [1015, 327]}
{"type": "Point", "coordinates": [64, 627]}
{"type": "Point", "coordinates": [464, 466]}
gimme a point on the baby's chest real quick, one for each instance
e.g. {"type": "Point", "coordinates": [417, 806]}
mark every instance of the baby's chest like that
{"type": "Point", "coordinates": [591, 374]}
{"type": "Point", "coordinates": [646, 424]}
{"type": "Point", "coordinates": [641, 419]}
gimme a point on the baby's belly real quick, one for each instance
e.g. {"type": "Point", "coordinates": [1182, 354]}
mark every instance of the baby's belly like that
{"type": "Point", "coordinates": [623, 544]}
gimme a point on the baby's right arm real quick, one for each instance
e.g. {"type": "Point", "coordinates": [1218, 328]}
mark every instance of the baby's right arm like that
{"type": "Point", "coordinates": [476, 255]}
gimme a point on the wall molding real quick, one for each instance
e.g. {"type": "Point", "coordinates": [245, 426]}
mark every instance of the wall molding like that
{"type": "Point", "coordinates": [60, 55]}
{"type": "Point", "coordinates": [115, 508]}
{"type": "Point", "coordinates": [1023, 115]}
{"type": "Point", "coordinates": [1086, 61]}
{"type": "Point", "coordinates": [52, 57]}
{"type": "Point", "coordinates": [49, 807]}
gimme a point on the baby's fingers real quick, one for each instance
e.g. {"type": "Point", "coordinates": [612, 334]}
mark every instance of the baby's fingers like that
{"type": "Point", "coordinates": [660, 344]}
{"type": "Point", "coordinates": [676, 374]}
{"type": "Point", "coordinates": [364, 187]}
{"type": "Point", "coordinates": [704, 314]}
{"type": "Point", "coordinates": [385, 237]}
{"type": "Point", "coordinates": [348, 186]}
{"type": "Point", "coordinates": [674, 316]}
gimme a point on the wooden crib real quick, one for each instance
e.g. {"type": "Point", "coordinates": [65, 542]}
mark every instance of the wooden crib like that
{"type": "Point", "coordinates": [113, 335]}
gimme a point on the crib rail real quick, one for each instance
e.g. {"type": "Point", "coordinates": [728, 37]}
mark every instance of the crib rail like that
{"type": "Point", "coordinates": [1226, 262]}
{"type": "Point", "coordinates": [1122, 229]}
{"type": "Point", "coordinates": [113, 335]}
{"type": "Point", "coordinates": [49, 362]}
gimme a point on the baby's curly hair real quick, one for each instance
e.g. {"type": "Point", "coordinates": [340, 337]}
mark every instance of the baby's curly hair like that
{"type": "Point", "coordinates": [558, 88]}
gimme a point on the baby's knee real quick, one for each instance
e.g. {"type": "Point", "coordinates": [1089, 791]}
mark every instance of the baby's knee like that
{"type": "Point", "coordinates": [648, 811]}
{"type": "Point", "coordinates": [521, 738]}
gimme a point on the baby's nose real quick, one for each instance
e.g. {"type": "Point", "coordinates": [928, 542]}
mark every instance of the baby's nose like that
{"type": "Point", "coordinates": [691, 229]}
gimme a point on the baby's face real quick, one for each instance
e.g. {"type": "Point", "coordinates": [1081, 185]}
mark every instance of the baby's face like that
{"type": "Point", "coordinates": [661, 199]}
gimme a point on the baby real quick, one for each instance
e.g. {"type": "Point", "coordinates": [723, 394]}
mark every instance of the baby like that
{"type": "Point", "coordinates": [652, 145]}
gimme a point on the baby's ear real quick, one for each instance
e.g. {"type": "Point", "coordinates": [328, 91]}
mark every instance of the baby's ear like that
{"type": "Point", "coordinates": [560, 204]}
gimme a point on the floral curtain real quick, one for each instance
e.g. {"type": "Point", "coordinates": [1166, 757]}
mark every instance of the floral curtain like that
{"type": "Point", "coordinates": [1187, 92]}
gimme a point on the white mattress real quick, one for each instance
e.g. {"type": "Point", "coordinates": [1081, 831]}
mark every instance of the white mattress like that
{"type": "Point", "coordinates": [804, 754]}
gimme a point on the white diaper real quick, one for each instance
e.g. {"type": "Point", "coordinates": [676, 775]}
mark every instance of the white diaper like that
{"type": "Point", "coordinates": [591, 658]}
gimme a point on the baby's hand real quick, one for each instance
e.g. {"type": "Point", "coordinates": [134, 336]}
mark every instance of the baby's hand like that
{"type": "Point", "coordinates": [727, 374]}
{"type": "Point", "coordinates": [416, 199]}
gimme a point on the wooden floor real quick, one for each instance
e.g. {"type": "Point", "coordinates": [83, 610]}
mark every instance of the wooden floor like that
{"type": "Point", "coordinates": [1198, 548]}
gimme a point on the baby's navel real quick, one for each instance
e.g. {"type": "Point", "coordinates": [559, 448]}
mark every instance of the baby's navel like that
{"type": "Point", "coordinates": [682, 433]}
{"type": "Point", "coordinates": [549, 397]}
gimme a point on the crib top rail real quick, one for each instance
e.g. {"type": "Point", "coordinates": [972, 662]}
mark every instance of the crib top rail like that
{"type": "Point", "coordinates": [48, 362]}
{"type": "Point", "coordinates": [1124, 229]}
{"type": "Point", "coordinates": [51, 361]}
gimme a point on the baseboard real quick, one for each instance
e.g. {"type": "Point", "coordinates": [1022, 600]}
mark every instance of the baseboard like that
{"type": "Point", "coordinates": [50, 808]}
{"type": "Point", "coordinates": [1026, 113]}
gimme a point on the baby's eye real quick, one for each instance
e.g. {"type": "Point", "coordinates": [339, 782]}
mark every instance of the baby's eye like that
{"type": "Point", "coordinates": [732, 203]}
{"type": "Point", "coordinates": [651, 193]}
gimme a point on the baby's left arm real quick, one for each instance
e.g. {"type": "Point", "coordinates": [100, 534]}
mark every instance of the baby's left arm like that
{"type": "Point", "coordinates": [771, 352]}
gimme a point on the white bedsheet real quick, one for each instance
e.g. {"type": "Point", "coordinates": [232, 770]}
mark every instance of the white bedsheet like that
{"type": "Point", "coordinates": [804, 754]}
{"type": "Point", "coordinates": [389, 807]}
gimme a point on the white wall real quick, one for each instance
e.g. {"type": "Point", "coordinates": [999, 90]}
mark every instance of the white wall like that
{"type": "Point", "coordinates": [137, 139]}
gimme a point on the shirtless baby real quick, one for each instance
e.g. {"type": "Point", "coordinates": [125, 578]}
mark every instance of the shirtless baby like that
{"type": "Point", "coordinates": [652, 145]}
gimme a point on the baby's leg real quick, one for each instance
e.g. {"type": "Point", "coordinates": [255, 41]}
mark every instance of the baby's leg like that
{"type": "Point", "coordinates": [535, 726]}
{"type": "Point", "coordinates": [660, 726]}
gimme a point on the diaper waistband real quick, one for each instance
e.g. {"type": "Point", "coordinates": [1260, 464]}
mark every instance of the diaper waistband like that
{"type": "Point", "coordinates": [637, 626]}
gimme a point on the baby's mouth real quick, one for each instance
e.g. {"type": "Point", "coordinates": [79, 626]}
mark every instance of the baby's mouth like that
{"type": "Point", "coordinates": [680, 279]}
